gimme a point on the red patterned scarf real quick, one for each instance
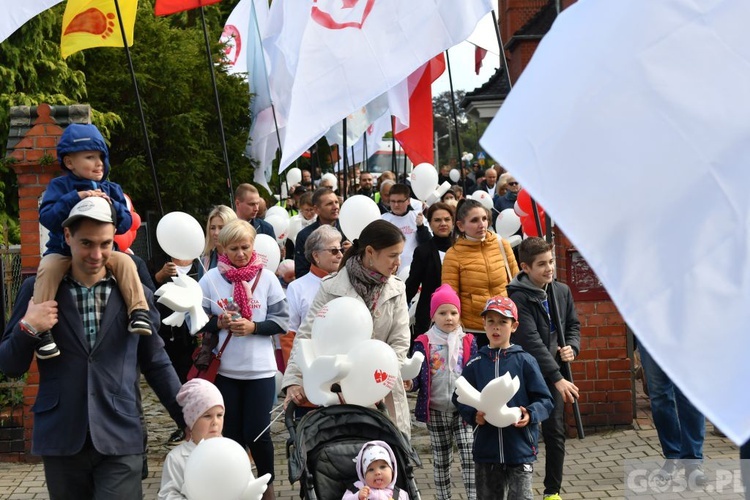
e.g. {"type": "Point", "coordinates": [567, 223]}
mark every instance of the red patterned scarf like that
{"type": "Point", "coordinates": [243, 276]}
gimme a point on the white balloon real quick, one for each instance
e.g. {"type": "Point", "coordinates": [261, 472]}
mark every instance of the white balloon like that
{"type": "Point", "coordinates": [277, 211]}
{"type": "Point", "coordinates": [493, 399]}
{"type": "Point", "coordinates": [455, 175]}
{"type": "Point", "coordinates": [403, 273]}
{"type": "Point", "coordinates": [217, 468]}
{"type": "Point", "coordinates": [356, 213]}
{"type": "Point", "coordinates": [295, 225]}
{"type": "Point", "coordinates": [412, 366]}
{"type": "Point", "coordinates": [484, 198]}
{"type": "Point", "coordinates": [339, 325]}
{"type": "Point", "coordinates": [268, 251]}
{"type": "Point", "coordinates": [424, 180]}
{"type": "Point", "coordinates": [280, 226]}
{"type": "Point", "coordinates": [293, 176]}
{"type": "Point", "coordinates": [180, 236]}
{"type": "Point", "coordinates": [515, 240]}
{"type": "Point", "coordinates": [374, 373]}
{"type": "Point", "coordinates": [518, 210]}
{"type": "Point", "coordinates": [507, 223]}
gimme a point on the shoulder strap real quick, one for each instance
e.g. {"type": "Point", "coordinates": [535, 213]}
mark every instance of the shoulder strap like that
{"type": "Point", "coordinates": [257, 279]}
{"type": "Point", "coordinates": [505, 257]}
{"type": "Point", "coordinates": [396, 492]}
{"type": "Point", "coordinates": [224, 345]}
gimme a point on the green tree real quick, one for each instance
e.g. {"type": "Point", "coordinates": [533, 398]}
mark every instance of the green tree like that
{"type": "Point", "coordinates": [175, 87]}
{"type": "Point", "coordinates": [442, 110]}
{"type": "Point", "coordinates": [174, 82]}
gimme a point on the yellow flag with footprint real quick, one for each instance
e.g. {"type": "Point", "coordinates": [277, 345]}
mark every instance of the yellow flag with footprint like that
{"type": "Point", "coordinates": [93, 23]}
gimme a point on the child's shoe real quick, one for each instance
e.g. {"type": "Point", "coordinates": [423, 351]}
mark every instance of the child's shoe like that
{"type": "Point", "coordinates": [140, 322]}
{"type": "Point", "coordinates": [47, 348]}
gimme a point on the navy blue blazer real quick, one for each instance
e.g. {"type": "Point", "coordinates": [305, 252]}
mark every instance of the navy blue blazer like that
{"type": "Point", "coordinates": [90, 389]}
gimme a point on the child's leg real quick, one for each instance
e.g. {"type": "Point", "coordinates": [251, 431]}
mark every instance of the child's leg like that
{"type": "Point", "coordinates": [464, 437]}
{"type": "Point", "coordinates": [553, 430]}
{"type": "Point", "coordinates": [491, 481]}
{"type": "Point", "coordinates": [130, 285]}
{"type": "Point", "coordinates": [519, 479]}
{"type": "Point", "coordinates": [441, 440]}
{"type": "Point", "coordinates": [52, 269]}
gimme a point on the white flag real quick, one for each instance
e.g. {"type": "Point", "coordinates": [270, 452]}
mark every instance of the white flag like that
{"type": "Point", "coordinates": [16, 14]}
{"type": "Point", "coordinates": [330, 58]}
{"type": "Point", "coordinates": [639, 146]}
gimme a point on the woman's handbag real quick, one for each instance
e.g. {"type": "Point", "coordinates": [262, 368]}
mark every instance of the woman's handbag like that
{"type": "Point", "coordinates": [207, 372]}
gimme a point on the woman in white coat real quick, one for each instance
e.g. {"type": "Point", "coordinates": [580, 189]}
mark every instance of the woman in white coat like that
{"type": "Point", "coordinates": [367, 273]}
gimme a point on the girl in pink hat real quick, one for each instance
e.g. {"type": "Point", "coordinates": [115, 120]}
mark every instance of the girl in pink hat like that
{"type": "Point", "coordinates": [446, 349]}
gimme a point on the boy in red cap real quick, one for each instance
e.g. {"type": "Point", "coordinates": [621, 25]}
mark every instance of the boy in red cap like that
{"type": "Point", "coordinates": [504, 456]}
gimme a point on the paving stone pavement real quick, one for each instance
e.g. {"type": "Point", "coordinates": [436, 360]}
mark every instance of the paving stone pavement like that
{"type": "Point", "coordinates": [594, 468]}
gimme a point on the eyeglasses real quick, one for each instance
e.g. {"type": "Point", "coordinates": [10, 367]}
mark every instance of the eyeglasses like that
{"type": "Point", "coordinates": [513, 184]}
{"type": "Point", "coordinates": [398, 201]}
{"type": "Point", "coordinates": [334, 251]}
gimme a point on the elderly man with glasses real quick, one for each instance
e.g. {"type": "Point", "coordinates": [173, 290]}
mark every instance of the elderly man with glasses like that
{"type": "Point", "coordinates": [508, 200]}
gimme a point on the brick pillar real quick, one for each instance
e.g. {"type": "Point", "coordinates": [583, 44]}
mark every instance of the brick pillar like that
{"type": "Point", "coordinates": [602, 371]}
{"type": "Point", "coordinates": [32, 143]}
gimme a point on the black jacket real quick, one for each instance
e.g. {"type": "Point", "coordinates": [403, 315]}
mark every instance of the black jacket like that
{"type": "Point", "coordinates": [426, 270]}
{"type": "Point", "coordinates": [533, 332]}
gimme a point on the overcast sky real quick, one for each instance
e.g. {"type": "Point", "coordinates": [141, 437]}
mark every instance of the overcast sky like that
{"type": "Point", "coordinates": [462, 70]}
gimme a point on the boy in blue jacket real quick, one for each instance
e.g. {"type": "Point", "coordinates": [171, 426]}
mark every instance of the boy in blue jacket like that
{"type": "Point", "coordinates": [84, 156]}
{"type": "Point", "coordinates": [504, 456]}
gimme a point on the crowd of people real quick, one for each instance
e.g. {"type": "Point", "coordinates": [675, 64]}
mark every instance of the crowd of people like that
{"type": "Point", "coordinates": [483, 308]}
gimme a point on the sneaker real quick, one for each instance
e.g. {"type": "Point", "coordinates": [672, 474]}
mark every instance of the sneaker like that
{"type": "Point", "coordinates": [664, 475]}
{"type": "Point", "coordinates": [140, 323]}
{"type": "Point", "coordinates": [46, 348]}
{"type": "Point", "coordinates": [554, 496]}
{"type": "Point", "coordinates": [695, 476]}
{"type": "Point", "coordinates": [177, 437]}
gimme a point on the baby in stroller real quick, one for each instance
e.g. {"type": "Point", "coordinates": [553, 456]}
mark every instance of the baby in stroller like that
{"type": "Point", "coordinates": [377, 474]}
{"type": "Point", "coordinates": [321, 446]}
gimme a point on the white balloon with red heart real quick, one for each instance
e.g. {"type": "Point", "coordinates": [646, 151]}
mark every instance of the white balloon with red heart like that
{"type": "Point", "coordinates": [374, 373]}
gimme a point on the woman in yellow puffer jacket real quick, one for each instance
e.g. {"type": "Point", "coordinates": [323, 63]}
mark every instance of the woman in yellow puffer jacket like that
{"type": "Point", "coordinates": [476, 266]}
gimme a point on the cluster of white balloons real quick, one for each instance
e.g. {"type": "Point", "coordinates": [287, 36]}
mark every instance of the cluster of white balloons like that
{"type": "Point", "coordinates": [181, 237]}
{"type": "Point", "coordinates": [366, 369]}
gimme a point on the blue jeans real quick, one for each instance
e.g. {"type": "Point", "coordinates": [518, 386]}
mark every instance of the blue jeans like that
{"type": "Point", "coordinates": [679, 424]}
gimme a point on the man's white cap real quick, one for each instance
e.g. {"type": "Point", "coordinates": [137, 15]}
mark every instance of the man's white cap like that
{"type": "Point", "coordinates": [94, 208]}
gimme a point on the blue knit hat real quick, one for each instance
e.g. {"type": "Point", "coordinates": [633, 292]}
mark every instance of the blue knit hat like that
{"type": "Point", "coordinates": [82, 137]}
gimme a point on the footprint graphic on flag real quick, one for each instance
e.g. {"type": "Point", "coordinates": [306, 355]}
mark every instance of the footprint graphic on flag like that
{"type": "Point", "coordinates": [92, 21]}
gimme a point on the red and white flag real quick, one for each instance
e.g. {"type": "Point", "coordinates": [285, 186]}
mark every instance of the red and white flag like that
{"type": "Point", "coordinates": [16, 14]}
{"type": "Point", "coordinates": [330, 58]}
{"type": "Point", "coordinates": [418, 140]}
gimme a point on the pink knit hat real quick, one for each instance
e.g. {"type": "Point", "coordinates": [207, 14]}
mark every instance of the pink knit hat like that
{"type": "Point", "coordinates": [444, 295]}
{"type": "Point", "coordinates": [196, 397]}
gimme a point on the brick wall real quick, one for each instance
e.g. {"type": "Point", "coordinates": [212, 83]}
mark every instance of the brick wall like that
{"type": "Point", "coordinates": [602, 371]}
{"type": "Point", "coordinates": [32, 143]}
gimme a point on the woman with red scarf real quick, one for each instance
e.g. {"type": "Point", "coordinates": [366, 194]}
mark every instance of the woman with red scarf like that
{"type": "Point", "coordinates": [248, 367]}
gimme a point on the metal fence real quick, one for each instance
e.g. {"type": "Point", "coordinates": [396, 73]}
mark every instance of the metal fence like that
{"type": "Point", "coordinates": [10, 265]}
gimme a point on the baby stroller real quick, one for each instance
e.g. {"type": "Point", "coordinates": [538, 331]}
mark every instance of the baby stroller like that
{"type": "Point", "coordinates": [322, 446]}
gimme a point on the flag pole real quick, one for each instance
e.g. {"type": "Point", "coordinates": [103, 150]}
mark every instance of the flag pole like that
{"type": "Point", "coordinates": [455, 119]}
{"type": "Point", "coordinates": [218, 108]}
{"type": "Point", "coordinates": [394, 163]}
{"type": "Point", "coordinates": [149, 155]}
{"type": "Point", "coordinates": [346, 159]}
{"type": "Point", "coordinates": [501, 47]}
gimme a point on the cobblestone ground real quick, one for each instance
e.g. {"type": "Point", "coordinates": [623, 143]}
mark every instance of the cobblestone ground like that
{"type": "Point", "coordinates": [595, 466]}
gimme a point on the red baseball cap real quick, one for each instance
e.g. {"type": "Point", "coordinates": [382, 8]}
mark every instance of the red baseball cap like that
{"type": "Point", "coordinates": [502, 305]}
